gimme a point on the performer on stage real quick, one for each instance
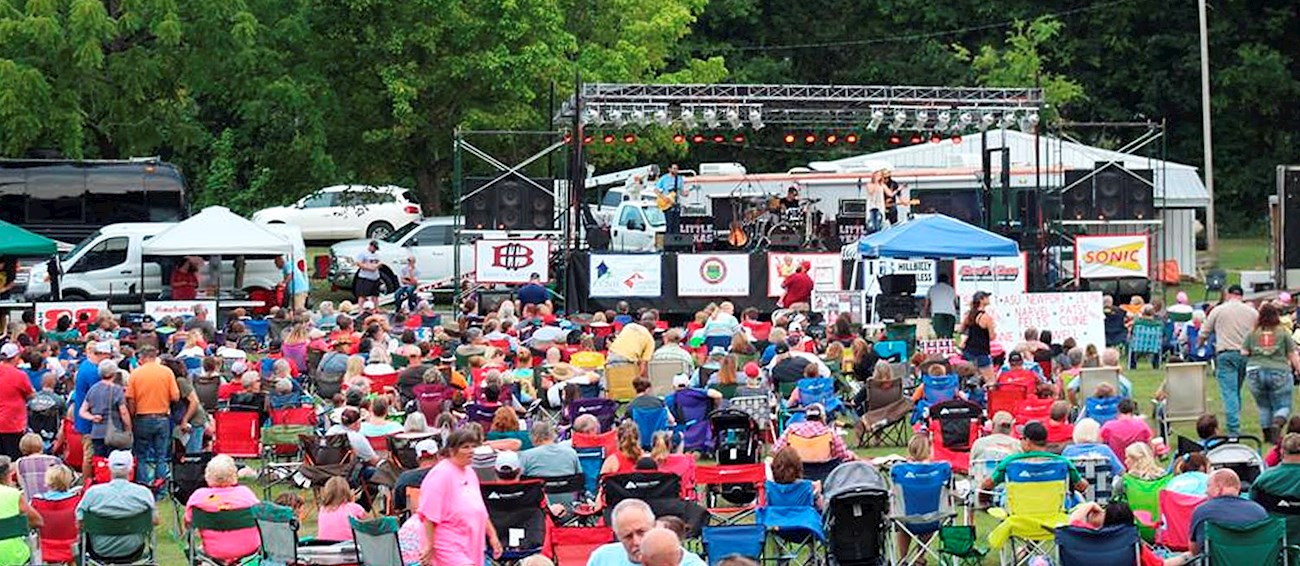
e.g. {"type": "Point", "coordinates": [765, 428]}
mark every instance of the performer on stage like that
{"type": "Point", "coordinates": [669, 192]}
{"type": "Point", "coordinates": [877, 191]}
{"type": "Point", "coordinates": [791, 198]}
{"type": "Point", "coordinates": [894, 194]}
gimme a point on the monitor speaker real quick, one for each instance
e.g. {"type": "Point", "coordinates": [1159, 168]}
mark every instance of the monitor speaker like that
{"type": "Point", "coordinates": [963, 205]}
{"type": "Point", "coordinates": [1130, 286]}
{"type": "Point", "coordinates": [512, 203]}
{"type": "Point", "coordinates": [490, 301]}
{"type": "Point", "coordinates": [898, 284]}
{"type": "Point", "coordinates": [679, 243]}
{"type": "Point", "coordinates": [896, 307]}
{"type": "Point", "coordinates": [1106, 286]}
{"type": "Point", "coordinates": [785, 242]}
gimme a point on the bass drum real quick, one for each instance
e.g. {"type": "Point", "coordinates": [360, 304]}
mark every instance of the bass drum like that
{"type": "Point", "coordinates": [785, 233]}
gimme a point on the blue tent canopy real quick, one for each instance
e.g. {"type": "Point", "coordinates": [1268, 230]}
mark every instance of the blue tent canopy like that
{"type": "Point", "coordinates": [938, 237]}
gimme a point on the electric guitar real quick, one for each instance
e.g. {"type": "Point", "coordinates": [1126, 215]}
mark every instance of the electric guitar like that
{"type": "Point", "coordinates": [665, 201]}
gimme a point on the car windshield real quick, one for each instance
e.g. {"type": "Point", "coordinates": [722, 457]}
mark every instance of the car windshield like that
{"type": "Point", "coordinates": [397, 236]}
{"type": "Point", "coordinates": [655, 216]}
{"type": "Point", "coordinates": [80, 246]}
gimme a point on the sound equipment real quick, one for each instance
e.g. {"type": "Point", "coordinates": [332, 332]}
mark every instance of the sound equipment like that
{"type": "Point", "coordinates": [598, 238]}
{"type": "Point", "coordinates": [1076, 201]}
{"type": "Point", "coordinates": [490, 301]}
{"type": "Point", "coordinates": [1288, 188]}
{"type": "Point", "coordinates": [963, 205]}
{"type": "Point", "coordinates": [898, 284]}
{"type": "Point", "coordinates": [852, 208]}
{"type": "Point", "coordinates": [509, 204]}
{"type": "Point", "coordinates": [679, 242]}
{"type": "Point", "coordinates": [897, 307]}
{"type": "Point", "coordinates": [1113, 192]}
{"type": "Point", "coordinates": [785, 242]}
{"type": "Point", "coordinates": [1106, 286]}
{"type": "Point", "coordinates": [1129, 286]}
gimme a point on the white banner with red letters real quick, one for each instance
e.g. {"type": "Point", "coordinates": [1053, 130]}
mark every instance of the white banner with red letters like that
{"type": "Point", "coordinates": [183, 309]}
{"type": "Point", "coordinates": [712, 275]}
{"type": "Point", "coordinates": [626, 275]}
{"type": "Point", "coordinates": [826, 270]}
{"type": "Point", "coordinates": [1101, 257]}
{"type": "Point", "coordinates": [1068, 315]}
{"type": "Point", "coordinates": [48, 314]}
{"type": "Point", "coordinates": [511, 261]}
{"type": "Point", "coordinates": [996, 275]}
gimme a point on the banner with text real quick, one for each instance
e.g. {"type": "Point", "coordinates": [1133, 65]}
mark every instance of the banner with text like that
{"type": "Point", "coordinates": [832, 303]}
{"type": "Point", "coordinates": [872, 269]}
{"type": "Point", "coordinates": [996, 275]}
{"type": "Point", "coordinates": [626, 275]}
{"type": "Point", "coordinates": [1067, 315]}
{"type": "Point", "coordinates": [183, 309]}
{"type": "Point", "coordinates": [826, 270]}
{"type": "Point", "coordinates": [511, 261]}
{"type": "Point", "coordinates": [1100, 257]}
{"type": "Point", "coordinates": [48, 314]}
{"type": "Point", "coordinates": [712, 275]}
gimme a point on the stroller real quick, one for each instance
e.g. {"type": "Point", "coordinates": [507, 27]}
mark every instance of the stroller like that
{"type": "Point", "coordinates": [1234, 453]}
{"type": "Point", "coordinates": [735, 437]}
{"type": "Point", "coordinates": [856, 518]}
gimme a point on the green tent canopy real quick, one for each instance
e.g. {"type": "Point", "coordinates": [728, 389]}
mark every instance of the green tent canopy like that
{"type": "Point", "coordinates": [16, 241]}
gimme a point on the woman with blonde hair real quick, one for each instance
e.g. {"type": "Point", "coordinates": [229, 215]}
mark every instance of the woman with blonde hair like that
{"type": "Point", "coordinates": [354, 376]}
{"type": "Point", "coordinates": [1140, 463]}
{"type": "Point", "coordinates": [337, 505]}
{"type": "Point", "coordinates": [629, 450]}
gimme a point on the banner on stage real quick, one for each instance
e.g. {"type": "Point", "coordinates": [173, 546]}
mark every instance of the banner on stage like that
{"type": "Point", "coordinates": [832, 303]}
{"type": "Point", "coordinates": [511, 261]}
{"type": "Point", "coordinates": [626, 275]}
{"type": "Point", "coordinates": [1068, 315]}
{"type": "Point", "coordinates": [996, 275]}
{"type": "Point", "coordinates": [872, 269]}
{"type": "Point", "coordinates": [1100, 257]}
{"type": "Point", "coordinates": [826, 270]}
{"type": "Point", "coordinates": [183, 309]}
{"type": "Point", "coordinates": [48, 314]}
{"type": "Point", "coordinates": [713, 275]}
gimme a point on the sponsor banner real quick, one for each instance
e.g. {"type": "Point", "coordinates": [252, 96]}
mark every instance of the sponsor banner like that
{"type": "Point", "coordinates": [626, 275]}
{"type": "Point", "coordinates": [832, 303]}
{"type": "Point", "coordinates": [872, 269]}
{"type": "Point", "coordinates": [183, 309]}
{"type": "Point", "coordinates": [850, 230]}
{"type": "Point", "coordinates": [48, 314]}
{"type": "Point", "coordinates": [1067, 315]}
{"type": "Point", "coordinates": [713, 275]}
{"type": "Point", "coordinates": [700, 229]}
{"type": "Point", "coordinates": [511, 261]}
{"type": "Point", "coordinates": [826, 270]}
{"type": "Point", "coordinates": [1100, 257]}
{"type": "Point", "coordinates": [996, 275]}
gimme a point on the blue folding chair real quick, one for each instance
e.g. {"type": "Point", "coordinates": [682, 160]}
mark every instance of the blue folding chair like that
{"type": "Point", "coordinates": [937, 390]}
{"type": "Point", "coordinates": [734, 540]}
{"type": "Point", "coordinates": [258, 328]}
{"type": "Point", "coordinates": [648, 422]}
{"type": "Point", "coordinates": [815, 390]}
{"type": "Point", "coordinates": [192, 363]}
{"type": "Point", "coordinates": [1116, 544]}
{"type": "Point", "coordinates": [792, 520]}
{"type": "Point", "coordinates": [921, 504]}
{"type": "Point", "coordinates": [892, 349]}
{"type": "Point", "coordinates": [1100, 409]}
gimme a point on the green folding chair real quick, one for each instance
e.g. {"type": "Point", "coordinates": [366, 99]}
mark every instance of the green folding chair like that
{"type": "Point", "coordinates": [17, 528]}
{"type": "Point", "coordinates": [959, 542]}
{"type": "Point", "coordinates": [278, 528]}
{"type": "Point", "coordinates": [95, 525]}
{"type": "Point", "coordinates": [376, 541]}
{"type": "Point", "coordinates": [228, 520]}
{"type": "Point", "coordinates": [1255, 544]}
{"type": "Point", "coordinates": [1144, 495]}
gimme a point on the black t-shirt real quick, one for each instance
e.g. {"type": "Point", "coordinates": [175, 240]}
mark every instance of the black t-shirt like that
{"type": "Point", "coordinates": [409, 478]}
{"type": "Point", "coordinates": [789, 370]}
{"type": "Point", "coordinates": [788, 203]}
{"type": "Point", "coordinates": [408, 378]}
{"type": "Point", "coordinates": [532, 294]}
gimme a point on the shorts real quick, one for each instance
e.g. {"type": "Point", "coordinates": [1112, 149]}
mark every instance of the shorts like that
{"type": "Point", "coordinates": [367, 287]}
{"type": "Point", "coordinates": [981, 361]}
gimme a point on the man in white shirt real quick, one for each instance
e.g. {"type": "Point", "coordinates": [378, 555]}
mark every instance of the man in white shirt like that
{"type": "Point", "coordinates": [368, 274]}
{"type": "Point", "coordinates": [941, 304]}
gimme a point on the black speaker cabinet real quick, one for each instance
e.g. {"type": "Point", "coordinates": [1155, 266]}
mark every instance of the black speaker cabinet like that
{"type": "Point", "coordinates": [786, 242]}
{"type": "Point", "coordinates": [679, 242]}
{"type": "Point", "coordinates": [509, 204]}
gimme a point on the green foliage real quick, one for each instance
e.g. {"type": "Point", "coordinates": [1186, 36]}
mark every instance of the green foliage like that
{"type": "Point", "coordinates": [1021, 64]}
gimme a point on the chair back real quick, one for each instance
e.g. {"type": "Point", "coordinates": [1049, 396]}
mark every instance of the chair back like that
{"type": "Point", "coordinates": [920, 496]}
{"type": "Point", "coordinates": [811, 449]}
{"type": "Point", "coordinates": [756, 407]}
{"type": "Point", "coordinates": [1022, 377]}
{"type": "Point", "coordinates": [1115, 544]}
{"type": "Point", "coordinates": [1090, 378]}
{"type": "Point", "coordinates": [572, 545]}
{"type": "Point", "coordinates": [661, 373]}
{"type": "Point", "coordinates": [649, 421]}
{"type": "Point", "coordinates": [1148, 336]}
{"type": "Point", "coordinates": [1037, 488]}
{"type": "Point", "coordinates": [225, 520]}
{"type": "Point", "coordinates": [791, 508]}
{"type": "Point", "coordinates": [818, 390]}
{"type": "Point", "coordinates": [1005, 397]}
{"type": "Point", "coordinates": [691, 408]}
{"type": "Point", "coordinates": [1175, 531]}
{"type": "Point", "coordinates": [605, 411]}
{"type": "Point", "coordinates": [481, 414]}
{"type": "Point", "coordinates": [1096, 470]}
{"type": "Point", "coordinates": [1101, 409]}
{"type": "Point", "coordinates": [1034, 409]}
{"type": "Point", "coordinates": [891, 349]}
{"type": "Point", "coordinates": [939, 388]}
{"type": "Point", "coordinates": [376, 541]}
{"type": "Point", "coordinates": [59, 532]}
{"type": "Point", "coordinates": [278, 529]}
{"type": "Point", "coordinates": [237, 434]}
{"type": "Point", "coordinates": [1185, 391]}
{"type": "Point", "coordinates": [882, 394]}
{"type": "Point", "coordinates": [516, 508]}
{"type": "Point", "coordinates": [729, 481]}
{"type": "Point", "coordinates": [618, 381]}
{"type": "Point", "coordinates": [954, 427]}
{"type": "Point", "coordinates": [94, 524]}
{"type": "Point", "coordinates": [1144, 495]}
{"type": "Point", "coordinates": [1261, 542]}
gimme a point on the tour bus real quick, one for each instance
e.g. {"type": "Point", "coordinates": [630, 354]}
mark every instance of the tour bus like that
{"type": "Point", "coordinates": [68, 200]}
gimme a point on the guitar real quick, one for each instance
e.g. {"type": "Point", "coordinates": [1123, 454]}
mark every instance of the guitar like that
{"type": "Point", "coordinates": [665, 201]}
{"type": "Point", "coordinates": [737, 238]}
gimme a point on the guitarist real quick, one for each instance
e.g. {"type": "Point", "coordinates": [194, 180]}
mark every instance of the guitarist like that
{"type": "Point", "coordinates": [669, 191]}
{"type": "Point", "coordinates": [892, 196]}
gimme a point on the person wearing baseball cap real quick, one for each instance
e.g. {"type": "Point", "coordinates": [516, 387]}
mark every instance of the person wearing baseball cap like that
{"type": "Point", "coordinates": [507, 465]}
{"type": "Point", "coordinates": [426, 454]}
{"type": "Point", "coordinates": [1230, 322]}
{"type": "Point", "coordinates": [118, 499]}
{"type": "Point", "coordinates": [15, 390]}
{"type": "Point", "coordinates": [1000, 444]}
{"type": "Point", "coordinates": [1033, 445]}
{"type": "Point", "coordinates": [814, 426]}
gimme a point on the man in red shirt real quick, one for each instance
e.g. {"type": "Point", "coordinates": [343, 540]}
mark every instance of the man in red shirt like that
{"type": "Point", "coordinates": [798, 287]}
{"type": "Point", "coordinates": [15, 390]}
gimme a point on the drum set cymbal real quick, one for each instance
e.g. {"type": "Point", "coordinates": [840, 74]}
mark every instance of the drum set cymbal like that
{"type": "Point", "coordinates": [763, 218]}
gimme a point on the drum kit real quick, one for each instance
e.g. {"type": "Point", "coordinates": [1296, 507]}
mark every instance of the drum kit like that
{"type": "Point", "coordinates": [760, 220]}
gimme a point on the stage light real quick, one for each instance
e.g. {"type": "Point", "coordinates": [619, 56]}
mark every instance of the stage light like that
{"type": "Point", "coordinates": [935, 138]}
{"type": "Point", "coordinates": [789, 139]}
{"type": "Point", "coordinates": [609, 138]}
{"type": "Point", "coordinates": [711, 118]}
{"type": "Point", "coordinates": [697, 138]}
{"type": "Point", "coordinates": [719, 138]}
{"type": "Point", "coordinates": [568, 137]}
{"type": "Point", "coordinates": [661, 117]}
{"type": "Point", "coordinates": [592, 116]}
{"type": "Point", "coordinates": [810, 139]}
{"type": "Point", "coordinates": [1029, 122]}
{"type": "Point", "coordinates": [640, 118]}
{"type": "Point", "coordinates": [956, 139]}
{"type": "Point", "coordinates": [738, 138]}
{"type": "Point", "coordinates": [629, 138]}
{"type": "Point", "coordinates": [733, 118]}
{"type": "Point", "coordinates": [941, 122]}
{"type": "Point", "coordinates": [679, 138]}
{"type": "Point", "coordinates": [831, 139]}
{"type": "Point", "coordinates": [587, 139]}
{"type": "Point", "coordinates": [851, 138]}
{"type": "Point", "coordinates": [986, 121]}
{"type": "Point", "coordinates": [915, 139]}
{"type": "Point", "coordinates": [688, 118]}
{"type": "Point", "coordinates": [1008, 119]}
{"type": "Point", "coordinates": [877, 116]}
{"type": "Point", "coordinates": [756, 118]}
{"type": "Point", "coordinates": [963, 121]}
{"type": "Point", "coordinates": [921, 119]}
{"type": "Point", "coordinates": [900, 118]}
{"type": "Point", "coordinates": [616, 118]}
{"type": "Point", "coordinates": [895, 139]}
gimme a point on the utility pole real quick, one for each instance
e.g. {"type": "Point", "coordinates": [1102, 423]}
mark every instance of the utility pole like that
{"type": "Point", "coordinates": [1211, 230]}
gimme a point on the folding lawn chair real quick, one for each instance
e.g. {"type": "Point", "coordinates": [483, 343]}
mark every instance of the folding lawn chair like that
{"type": "Point", "coordinates": [661, 374]}
{"type": "Point", "coordinates": [277, 527]}
{"type": "Point", "coordinates": [570, 546]}
{"type": "Point", "coordinates": [1285, 507]}
{"type": "Point", "coordinates": [1090, 378]}
{"type": "Point", "coordinates": [59, 533]}
{"type": "Point", "coordinates": [961, 543]}
{"type": "Point", "coordinates": [517, 510]}
{"type": "Point", "coordinates": [221, 521]}
{"type": "Point", "coordinates": [740, 486]}
{"type": "Point", "coordinates": [94, 525]}
{"type": "Point", "coordinates": [885, 420]}
{"type": "Point", "coordinates": [660, 490]}
{"type": "Point", "coordinates": [954, 427]}
{"type": "Point", "coordinates": [187, 476]}
{"type": "Point", "coordinates": [1036, 493]}
{"type": "Point", "coordinates": [605, 411]}
{"type": "Point", "coordinates": [938, 389]}
{"type": "Point", "coordinates": [476, 413]}
{"type": "Point", "coordinates": [1033, 409]}
{"type": "Point", "coordinates": [1095, 469]}
{"type": "Point", "coordinates": [1101, 409]}
{"type": "Point", "coordinates": [920, 503]}
{"type": "Point", "coordinates": [618, 381]}
{"type": "Point", "coordinates": [691, 408]}
{"type": "Point", "coordinates": [1115, 545]}
{"type": "Point", "coordinates": [592, 450]}
{"type": "Point", "coordinates": [648, 422]}
{"type": "Point", "coordinates": [758, 408]}
{"type": "Point", "coordinates": [1262, 542]}
{"type": "Point", "coordinates": [1144, 495]}
{"type": "Point", "coordinates": [1174, 528]}
{"type": "Point", "coordinates": [376, 541]}
{"type": "Point", "coordinates": [281, 451]}
{"type": "Point", "coordinates": [733, 540]}
{"type": "Point", "coordinates": [793, 524]}
{"type": "Point", "coordinates": [237, 434]}
{"type": "Point", "coordinates": [1005, 397]}
{"type": "Point", "coordinates": [1184, 395]}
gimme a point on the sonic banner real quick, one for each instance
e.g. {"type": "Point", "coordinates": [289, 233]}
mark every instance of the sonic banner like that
{"type": "Point", "coordinates": [1101, 257]}
{"type": "Point", "coordinates": [626, 275]}
{"type": "Point", "coordinates": [511, 261]}
{"type": "Point", "coordinates": [713, 275]}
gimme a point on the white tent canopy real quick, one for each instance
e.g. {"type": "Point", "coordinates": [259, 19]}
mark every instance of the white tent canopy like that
{"type": "Point", "coordinates": [216, 231]}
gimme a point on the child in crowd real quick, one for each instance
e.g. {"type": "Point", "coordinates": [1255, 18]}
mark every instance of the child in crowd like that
{"type": "Point", "coordinates": [336, 505]}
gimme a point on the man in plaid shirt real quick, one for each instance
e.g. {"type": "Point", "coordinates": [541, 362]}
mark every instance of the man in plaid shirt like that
{"type": "Point", "coordinates": [814, 425]}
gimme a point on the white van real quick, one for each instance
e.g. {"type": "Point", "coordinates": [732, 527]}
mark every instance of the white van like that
{"type": "Point", "coordinates": [107, 264]}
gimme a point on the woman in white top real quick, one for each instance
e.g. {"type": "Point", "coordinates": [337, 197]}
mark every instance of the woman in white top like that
{"type": "Point", "coordinates": [877, 190]}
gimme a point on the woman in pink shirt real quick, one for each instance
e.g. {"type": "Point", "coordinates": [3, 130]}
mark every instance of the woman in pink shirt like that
{"type": "Point", "coordinates": [456, 524]}
{"type": "Point", "coordinates": [336, 505]}
{"type": "Point", "coordinates": [224, 494]}
{"type": "Point", "coordinates": [1127, 428]}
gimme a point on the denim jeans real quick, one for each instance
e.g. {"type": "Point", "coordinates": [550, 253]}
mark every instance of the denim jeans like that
{"type": "Point", "coordinates": [194, 444]}
{"type": "Point", "coordinates": [407, 293]}
{"type": "Point", "coordinates": [1271, 389]}
{"type": "Point", "coordinates": [1230, 372]}
{"type": "Point", "coordinates": [152, 434]}
{"type": "Point", "coordinates": [874, 221]}
{"type": "Point", "coordinates": [673, 220]}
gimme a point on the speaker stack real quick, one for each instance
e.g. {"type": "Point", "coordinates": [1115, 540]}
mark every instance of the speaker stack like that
{"type": "Point", "coordinates": [1108, 192]}
{"type": "Point", "coordinates": [509, 204]}
{"type": "Point", "coordinates": [896, 300]}
{"type": "Point", "coordinates": [1288, 188]}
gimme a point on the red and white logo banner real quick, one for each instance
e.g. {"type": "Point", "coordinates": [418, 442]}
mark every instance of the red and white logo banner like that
{"type": "Point", "coordinates": [511, 261]}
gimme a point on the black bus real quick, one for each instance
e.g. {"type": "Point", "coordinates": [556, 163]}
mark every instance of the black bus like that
{"type": "Point", "coordinates": [68, 200]}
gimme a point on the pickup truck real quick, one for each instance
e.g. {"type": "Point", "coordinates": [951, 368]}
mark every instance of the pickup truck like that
{"type": "Point", "coordinates": [637, 226]}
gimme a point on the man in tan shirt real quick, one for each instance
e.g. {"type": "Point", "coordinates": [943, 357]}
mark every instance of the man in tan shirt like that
{"type": "Point", "coordinates": [1230, 322]}
{"type": "Point", "coordinates": [150, 391]}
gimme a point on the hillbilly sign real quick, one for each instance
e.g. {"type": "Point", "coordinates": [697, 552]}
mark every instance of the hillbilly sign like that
{"type": "Point", "coordinates": [511, 261]}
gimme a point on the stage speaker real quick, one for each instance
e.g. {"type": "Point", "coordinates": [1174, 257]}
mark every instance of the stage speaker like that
{"type": "Point", "coordinates": [896, 307]}
{"type": "Point", "coordinates": [490, 301]}
{"type": "Point", "coordinates": [1108, 186]}
{"type": "Point", "coordinates": [852, 208]}
{"type": "Point", "coordinates": [898, 284]}
{"type": "Point", "coordinates": [1141, 195]}
{"type": "Point", "coordinates": [963, 205]}
{"type": "Point", "coordinates": [1076, 201]}
{"type": "Point", "coordinates": [509, 204]}
{"type": "Point", "coordinates": [1106, 286]}
{"type": "Point", "coordinates": [1288, 180]}
{"type": "Point", "coordinates": [679, 242]}
{"type": "Point", "coordinates": [785, 242]}
{"type": "Point", "coordinates": [1129, 286]}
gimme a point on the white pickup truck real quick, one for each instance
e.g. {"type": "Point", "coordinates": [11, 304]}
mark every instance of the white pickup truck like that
{"type": "Point", "coordinates": [637, 226]}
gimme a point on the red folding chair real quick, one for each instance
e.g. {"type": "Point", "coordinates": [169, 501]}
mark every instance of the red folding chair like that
{"type": "Point", "coordinates": [294, 417]}
{"type": "Point", "coordinates": [383, 382]}
{"type": "Point", "coordinates": [1034, 409]}
{"type": "Point", "coordinates": [237, 434]}
{"type": "Point", "coordinates": [740, 485]}
{"type": "Point", "coordinates": [71, 451]}
{"type": "Point", "coordinates": [571, 546]}
{"type": "Point", "coordinates": [60, 529]}
{"type": "Point", "coordinates": [607, 440]}
{"type": "Point", "coordinates": [954, 426]}
{"type": "Point", "coordinates": [1005, 397]}
{"type": "Point", "coordinates": [99, 471]}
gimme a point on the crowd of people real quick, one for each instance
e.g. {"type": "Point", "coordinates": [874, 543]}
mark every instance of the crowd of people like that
{"type": "Point", "coordinates": [101, 410]}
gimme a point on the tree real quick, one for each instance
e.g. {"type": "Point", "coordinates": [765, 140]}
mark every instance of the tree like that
{"type": "Point", "coordinates": [1020, 63]}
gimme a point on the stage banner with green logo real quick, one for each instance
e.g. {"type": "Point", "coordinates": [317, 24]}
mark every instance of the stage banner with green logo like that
{"type": "Point", "coordinates": [713, 275]}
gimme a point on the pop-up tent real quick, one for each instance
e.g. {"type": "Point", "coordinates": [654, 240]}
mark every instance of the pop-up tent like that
{"type": "Point", "coordinates": [216, 231]}
{"type": "Point", "coordinates": [18, 242]}
{"type": "Point", "coordinates": [935, 236]}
